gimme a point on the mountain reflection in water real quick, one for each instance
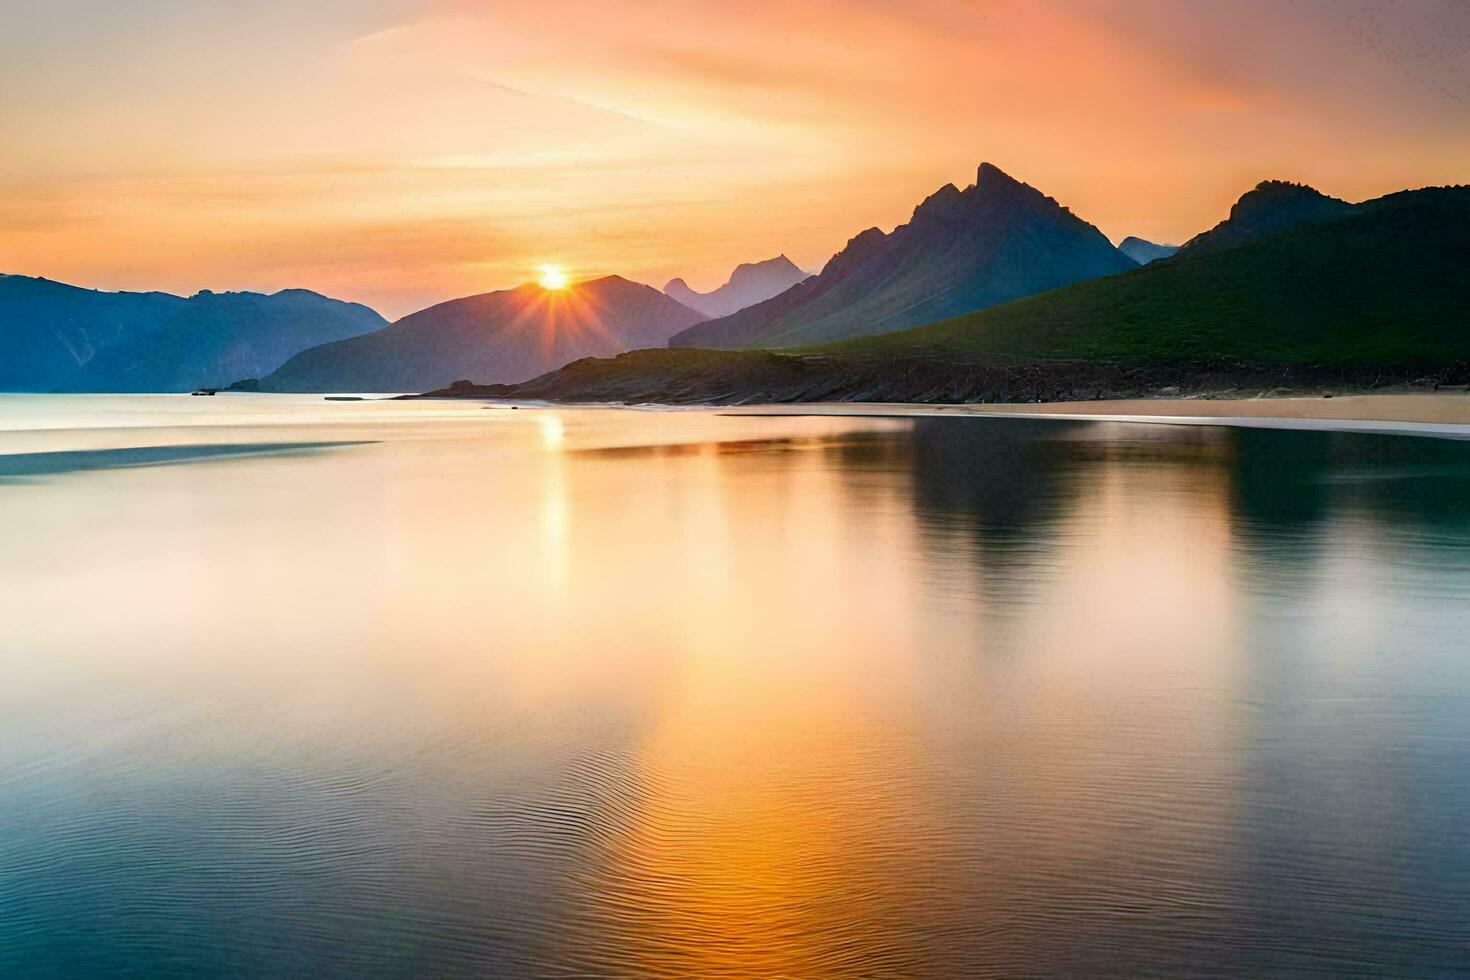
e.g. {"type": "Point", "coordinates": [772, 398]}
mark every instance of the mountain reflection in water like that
{"type": "Point", "coordinates": [615, 692]}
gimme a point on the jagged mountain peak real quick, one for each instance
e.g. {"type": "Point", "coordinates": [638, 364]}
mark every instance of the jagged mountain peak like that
{"type": "Point", "coordinates": [994, 190]}
{"type": "Point", "coordinates": [962, 250]}
{"type": "Point", "coordinates": [947, 198]}
{"type": "Point", "coordinates": [988, 175]}
{"type": "Point", "coordinates": [993, 183]}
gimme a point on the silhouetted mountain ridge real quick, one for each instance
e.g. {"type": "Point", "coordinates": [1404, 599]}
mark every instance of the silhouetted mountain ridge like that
{"type": "Point", "coordinates": [962, 250]}
{"type": "Point", "coordinates": [507, 335]}
{"type": "Point", "coordinates": [1271, 206]}
{"type": "Point", "coordinates": [1378, 282]}
{"type": "Point", "coordinates": [1377, 295]}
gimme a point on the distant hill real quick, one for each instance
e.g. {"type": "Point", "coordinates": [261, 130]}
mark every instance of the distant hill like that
{"type": "Point", "coordinates": [510, 335]}
{"type": "Point", "coordinates": [1377, 295]}
{"type": "Point", "coordinates": [56, 337]}
{"type": "Point", "coordinates": [962, 250]}
{"type": "Point", "coordinates": [1272, 206]}
{"type": "Point", "coordinates": [48, 330]}
{"type": "Point", "coordinates": [750, 283]}
{"type": "Point", "coordinates": [1385, 282]}
{"type": "Point", "coordinates": [1143, 251]}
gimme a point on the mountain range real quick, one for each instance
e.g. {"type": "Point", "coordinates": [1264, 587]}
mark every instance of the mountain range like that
{"type": "Point", "coordinates": [1291, 276]}
{"type": "Point", "coordinates": [56, 337]}
{"type": "Point", "coordinates": [508, 335]}
{"type": "Point", "coordinates": [750, 283]}
{"type": "Point", "coordinates": [1293, 289]}
{"type": "Point", "coordinates": [963, 250]}
{"type": "Point", "coordinates": [1381, 283]}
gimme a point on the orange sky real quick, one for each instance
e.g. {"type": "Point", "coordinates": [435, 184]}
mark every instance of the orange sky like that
{"type": "Point", "coordinates": [401, 152]}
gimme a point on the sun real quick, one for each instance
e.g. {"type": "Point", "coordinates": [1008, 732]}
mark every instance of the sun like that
{"type": "Point", "coordinates": [553, 277]}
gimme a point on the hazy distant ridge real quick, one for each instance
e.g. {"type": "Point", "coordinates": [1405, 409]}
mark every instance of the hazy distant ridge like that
{"type": "Point", "coordinates": [750, 283]}
{"type": "Point", "coordinates": [56, 337]}
{"type": "Point", "coordinates": [1143, 251]}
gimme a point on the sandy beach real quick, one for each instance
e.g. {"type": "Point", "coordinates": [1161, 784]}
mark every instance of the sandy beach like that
{"type": "Point", "coordinates": [1445, 415]}
{"type": "Point", "coordinates": [1453, 408]}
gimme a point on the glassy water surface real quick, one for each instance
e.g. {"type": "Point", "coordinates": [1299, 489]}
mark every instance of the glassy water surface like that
{"type": "Point", "coordinates": [307, 688]}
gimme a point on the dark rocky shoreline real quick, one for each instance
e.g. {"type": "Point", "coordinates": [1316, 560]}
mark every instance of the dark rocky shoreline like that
{"type": "Point", "coordinates": [700, 377]}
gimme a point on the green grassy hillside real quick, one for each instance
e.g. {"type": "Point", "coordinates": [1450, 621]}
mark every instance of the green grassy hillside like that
{"type": "Point", "coordinates": [1388, 284]}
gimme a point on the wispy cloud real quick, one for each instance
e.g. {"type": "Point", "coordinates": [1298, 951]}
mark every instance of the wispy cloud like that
{"type": "Point", "coordinates": [400, 150]}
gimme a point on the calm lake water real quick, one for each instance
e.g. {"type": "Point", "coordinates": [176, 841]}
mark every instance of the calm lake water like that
{"type": "Point", "coordinates": [305, 688]}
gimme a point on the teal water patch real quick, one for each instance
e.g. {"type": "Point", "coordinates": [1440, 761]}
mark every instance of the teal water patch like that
{"type": "Point", "coordinates": [18, 467]}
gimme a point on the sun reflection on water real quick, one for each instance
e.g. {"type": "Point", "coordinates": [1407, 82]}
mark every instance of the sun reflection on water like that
{"type": "Point", "coordinates": [684, 693]}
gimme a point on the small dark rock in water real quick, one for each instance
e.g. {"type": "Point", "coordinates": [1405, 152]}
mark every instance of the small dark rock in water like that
{"type": "Point", "coordinates": [1326, 396]}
